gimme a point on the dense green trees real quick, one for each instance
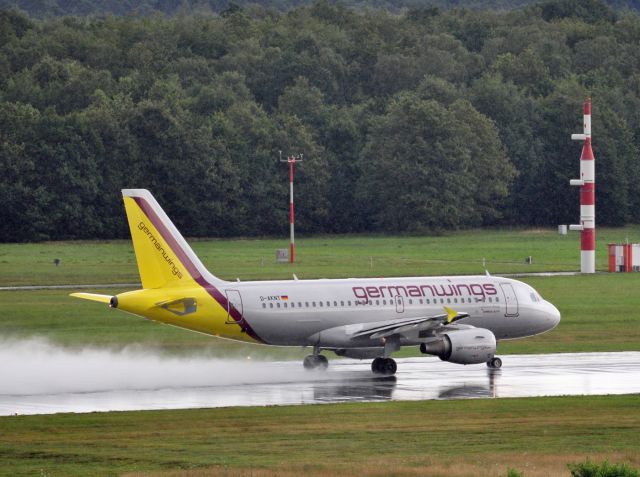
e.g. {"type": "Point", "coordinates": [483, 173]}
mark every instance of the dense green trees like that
{"type": "Point", "coordinates": [427, 166]}
{"type": "Point", "coordinates": [52, 8]}
{"type": "Point", "coordinates": [415, 121]}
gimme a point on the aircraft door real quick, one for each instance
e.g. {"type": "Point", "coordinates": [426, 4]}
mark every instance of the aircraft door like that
{"type": "Point", "coordinates": [234, 307]}
{"type": "Point", "coordinates": [399, 304]}
{"type": "Point", "coordinates": [511, 299]}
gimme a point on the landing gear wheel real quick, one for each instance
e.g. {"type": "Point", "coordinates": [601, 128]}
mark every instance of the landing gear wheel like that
{"type": "Point", "coordinates": [322, 361]}
{"type": "Point", "coordinates": [494, 363]}
{"type": "Point", "coordinates": [309, 362]}
{"type": "Point", "coordinates": [390, 367]}
{"type": "Point", "coordinates": [376, 365]}
{"type": "Point", "coordinates": [384, 366]}
{"type": "Point", "coordinates": [315, 361]}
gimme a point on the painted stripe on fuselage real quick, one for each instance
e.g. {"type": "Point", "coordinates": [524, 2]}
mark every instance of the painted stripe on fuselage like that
{"type": "Point", "coordinates": [194, 272]}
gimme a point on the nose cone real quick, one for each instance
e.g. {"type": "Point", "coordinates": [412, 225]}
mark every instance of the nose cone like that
{"type": "Point", "coordinates": [552, 315]}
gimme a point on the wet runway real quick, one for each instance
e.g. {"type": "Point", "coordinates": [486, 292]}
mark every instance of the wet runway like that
{"type": "Point", "coordinates": [45, 379]}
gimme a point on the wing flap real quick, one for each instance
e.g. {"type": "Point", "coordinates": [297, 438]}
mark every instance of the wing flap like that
{"type": "Point", "coordinates": [385, 329]}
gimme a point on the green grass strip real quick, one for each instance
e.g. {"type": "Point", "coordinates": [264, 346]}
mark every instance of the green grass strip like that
{"type": "Point", "coordinates": [323, 438]}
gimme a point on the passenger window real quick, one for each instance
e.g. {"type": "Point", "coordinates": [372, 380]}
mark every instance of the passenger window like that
{"type": "Point", "coordinates": [448, 300]}
{"type": "Point", "coordinates": [421, 301]}
{"type": "Point", "coordinates": [328, 303]}
{"type": "Point", "coordinates": [384, 302]}
{"type": "Point", "coordinates": [497, 299]}
{"type": "Point", "coordinates": [335, 303]}
{"type": "Point", "coordinates": [270, 305]}
{"type": "Point", "coordinates": [455, 300]}
{"type": "Point", "coordinates": [313, 303]}
{"type": "Point", "coordinates": [349, 302]}
{"type": "Point", "coordinates": [285, 304]}
{"type": "Point", "coordinates": [341, 303]}
{"type": "Point", "coordinates": [319, 303]}
{"type": "Point", "coordinates": [278, 305]}
{"type": "Point", "coordinates": [264, 305]}
{"type": "Point", "coordinates": [293, 305]}
{"type": "Point", "coordinates": [306, 303]}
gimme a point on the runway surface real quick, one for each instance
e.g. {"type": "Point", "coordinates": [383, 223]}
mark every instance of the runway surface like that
{"type": "Point", "coordinates": [40, 378]}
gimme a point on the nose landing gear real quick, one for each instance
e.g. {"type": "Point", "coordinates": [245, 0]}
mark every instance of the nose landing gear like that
{"type": "Point", "coordinates": [494, 363]}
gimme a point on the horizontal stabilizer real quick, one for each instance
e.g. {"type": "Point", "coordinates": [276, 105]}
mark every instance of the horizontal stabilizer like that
{"type": "Point", "coordinates": [93, 297]}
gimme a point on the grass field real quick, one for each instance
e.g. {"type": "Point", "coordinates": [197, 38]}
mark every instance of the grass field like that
{"type": "Point", "coordinates": [503, 251]}
{"type": "Point", "coordinates": [592, 306]}
{"type": "Point", "coordinates": [599, 313]}
{"type": "Point", "coordinates": [433, 438]}
{"type": "Point", "coordinates": [463, 438]}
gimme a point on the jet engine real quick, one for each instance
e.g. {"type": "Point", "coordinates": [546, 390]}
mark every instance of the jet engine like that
{"type": "Point", "coordinates": [470, 346]}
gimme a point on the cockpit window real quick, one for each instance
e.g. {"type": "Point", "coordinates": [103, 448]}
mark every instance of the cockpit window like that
{"type": "Point", "coordinates": [534, 297]}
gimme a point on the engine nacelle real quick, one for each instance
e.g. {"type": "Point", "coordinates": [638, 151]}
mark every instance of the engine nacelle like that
{"type": "Point", "coordinates": [471, 346]}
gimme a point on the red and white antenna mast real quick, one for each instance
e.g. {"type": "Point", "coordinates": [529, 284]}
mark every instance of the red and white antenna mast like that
{"type": "Point", "coordinates": [292, 161]}
{"type": "Point", "coordinates": [587, 183]}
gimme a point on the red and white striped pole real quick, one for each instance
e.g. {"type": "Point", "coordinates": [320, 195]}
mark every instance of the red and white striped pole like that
{"type": "Point", "coordinates": [587, 183]}
{"type": "Point", "coordinates": [292, 245]}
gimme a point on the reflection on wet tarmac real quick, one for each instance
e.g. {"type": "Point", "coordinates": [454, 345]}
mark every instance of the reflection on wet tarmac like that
{"type": "Point", "coordinates": [357, 390]}
{"type": "Point", "coordinates": [49, 380]}
{"type": "Point", "coordinates": [468, 391]}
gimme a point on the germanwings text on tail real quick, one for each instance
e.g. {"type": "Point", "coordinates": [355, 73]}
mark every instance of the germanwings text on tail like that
{"type": "Point", "coordinates": [457, 318]}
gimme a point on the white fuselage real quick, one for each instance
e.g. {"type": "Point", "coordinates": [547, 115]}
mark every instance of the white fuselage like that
{"type": "Point", "coordinates": [296, 312]}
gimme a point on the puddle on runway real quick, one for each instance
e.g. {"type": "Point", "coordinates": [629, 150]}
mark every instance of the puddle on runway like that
{"type": "Point", "coordinates": [38, 377]}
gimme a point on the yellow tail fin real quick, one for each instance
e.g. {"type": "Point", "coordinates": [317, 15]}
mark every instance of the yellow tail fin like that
{"type": "Point", "coordinates": [163, 255]}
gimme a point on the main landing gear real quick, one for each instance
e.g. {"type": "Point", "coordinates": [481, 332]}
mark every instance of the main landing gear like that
{"type": "Point", "coordinates": [384, 366]}
{"type": "Point", "coordinates": [494, 363]}
{"type": "Point", "coordinates": [315, 361]}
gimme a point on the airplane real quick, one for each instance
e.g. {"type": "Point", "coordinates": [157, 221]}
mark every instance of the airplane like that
{"type": "Point", "coordinates": [457, 318]}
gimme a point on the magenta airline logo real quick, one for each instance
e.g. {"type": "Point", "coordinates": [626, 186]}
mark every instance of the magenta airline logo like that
{"type": "Point", "coordinates": [480, 290]}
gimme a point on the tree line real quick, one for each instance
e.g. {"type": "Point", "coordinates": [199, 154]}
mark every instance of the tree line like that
{"type": "Point", "coordinates": [424, 120]}
{"type": "Point", "coordinates": [54, 8]}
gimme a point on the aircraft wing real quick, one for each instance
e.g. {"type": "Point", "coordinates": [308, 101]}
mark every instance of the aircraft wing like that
{"type": "Point", "coordinates": [383, 329]}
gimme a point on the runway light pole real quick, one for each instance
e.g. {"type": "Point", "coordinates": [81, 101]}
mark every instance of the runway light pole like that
{"type": "Point", "coordinates": [587, 183]}
{"type": "Point", "coordinates": [291, 160]}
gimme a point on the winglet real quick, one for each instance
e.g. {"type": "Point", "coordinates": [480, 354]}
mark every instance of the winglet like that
{"type": "Point", "coordinates": [451, 314]}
